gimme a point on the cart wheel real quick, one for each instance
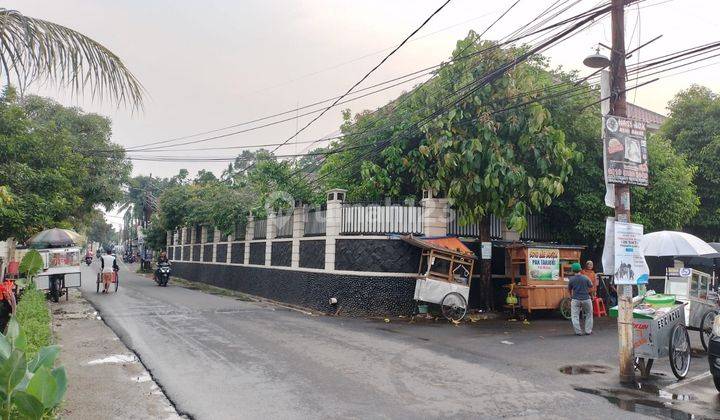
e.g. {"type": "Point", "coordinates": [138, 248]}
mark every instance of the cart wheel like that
{"type": "Point", "coordinates": [97, 288]}
{"type": "Point", "coordinates": [706, 328]}
{"type": "Point", "coordinates": [679, 351]}
{"type": "Point", "coordinates": [454, 306]}
{"type": "Point", "coordinates": [565, 308]}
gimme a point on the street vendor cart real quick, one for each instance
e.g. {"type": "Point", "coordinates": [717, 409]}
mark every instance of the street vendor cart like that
{"type": "Point", "coordinates": [540, 273]}
{"type": "Point", "coordinates": [697, 290]}
{"type": "Point", "coordinates": [60, 252]}
{"type": "Point", "coordinates": [444, 275]}
{"type": "Point", "coordinates": [659, 331]}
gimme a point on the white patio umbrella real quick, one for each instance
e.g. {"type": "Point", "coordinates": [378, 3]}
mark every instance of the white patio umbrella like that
{"type": "Point", "coordinates": [668, 243]}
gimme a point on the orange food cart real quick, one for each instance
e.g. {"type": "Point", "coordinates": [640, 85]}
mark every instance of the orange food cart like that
{"type": "Point", "coordinates": [539, 274]}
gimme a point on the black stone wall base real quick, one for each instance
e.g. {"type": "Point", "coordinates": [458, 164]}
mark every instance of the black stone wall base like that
{"type": "Point", "coordinates": [357, 295]}
{"type": "Point", "coordinates": [237, 254]}
{"type": "Point", "coordinates": [281, 254]}
{"type": "Point", "coordinates": [380, 255]}
{"type": "Point", "coordinates": [178, 253]}
{"type": "Point", "coordinates": [207, 253]}
{"type": "Point", "coordinates": [257, 253]}
{"type": "Point", "coordinates": [312, 254]}
{"type": "Point", "coordinates": [196, 252]}
{"type": "Point", "coordinates": [221, 253]}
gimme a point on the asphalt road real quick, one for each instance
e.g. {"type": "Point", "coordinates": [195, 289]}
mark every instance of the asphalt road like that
{"type": "Point", "coordinates": [220, 358]}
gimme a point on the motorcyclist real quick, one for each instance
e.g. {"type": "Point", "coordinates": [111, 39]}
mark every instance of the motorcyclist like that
{"type": "Point", "coordinates": [162, 259]}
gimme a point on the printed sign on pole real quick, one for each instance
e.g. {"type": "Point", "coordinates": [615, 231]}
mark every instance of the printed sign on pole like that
{"type": "Point", "coordinates": [544, 264]}
{"type": "Point", "coordinates": [630, 265]}
{"type": "Point", "coordinates": [486, 250]}
{"type": "Point", "coordinates": [625, 151]}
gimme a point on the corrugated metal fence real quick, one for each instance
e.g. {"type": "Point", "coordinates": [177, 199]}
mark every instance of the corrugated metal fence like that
{"type": "Point", "coordinates": [375, 218]}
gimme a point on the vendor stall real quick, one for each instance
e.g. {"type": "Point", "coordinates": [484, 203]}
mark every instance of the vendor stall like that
{"type": "Point", "coordinates": [540, 273]}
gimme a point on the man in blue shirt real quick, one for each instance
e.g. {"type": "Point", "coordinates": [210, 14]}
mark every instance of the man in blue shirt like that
{"type": "Point", "coordinates": [580, 287]}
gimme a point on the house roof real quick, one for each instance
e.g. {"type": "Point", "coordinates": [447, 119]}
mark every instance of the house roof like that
{"type": "Point", "coordinates": [651, 118]}
{"type": "Point", "coordinates": [448, 245]}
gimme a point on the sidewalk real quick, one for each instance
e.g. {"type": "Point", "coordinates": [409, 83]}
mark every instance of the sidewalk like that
{"type": "Point", "coordinates": [105, 379]}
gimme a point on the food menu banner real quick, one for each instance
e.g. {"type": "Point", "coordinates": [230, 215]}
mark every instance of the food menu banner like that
{"type": "Point", "coordinates": [625, 148]}
{"type": "Point", "coordinates": [544, 264]}
{"type": "Point", "coordinates": [630, 265]}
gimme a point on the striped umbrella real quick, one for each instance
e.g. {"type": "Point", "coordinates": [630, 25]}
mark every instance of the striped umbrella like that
{"type": "Point", "coordinates": [55, 238]}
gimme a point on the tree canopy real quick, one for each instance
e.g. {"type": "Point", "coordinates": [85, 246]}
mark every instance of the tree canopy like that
{"type": "Point", "coordinates": [693, 128]}
{"type": "Point", "coordinates": [47, 178]}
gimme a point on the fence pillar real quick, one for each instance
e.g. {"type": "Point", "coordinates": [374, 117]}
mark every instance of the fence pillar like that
{"type": "Point", "coordinates": [216, 239]}
{"type": "Point", "coordinates": [270, 234]}
{"type": "Point", "coordinates": [191, 234]}
{"type": "Point", "coordinates": [298, 220]}
{"type": "Point", "coordinates": [249, 233]}
{"type": "Point", "coordinates": [333, 224]}
{"type": "Point", "coordinates": [435, 214]}
{"type": "Point", "coordinates": [228, 254]}
{"type": "Point", "coordinates": [509, 234]}
{"type": "Point", "coordinates": [168, 238]}
{"type": "Point", "coordinates": [202, 241]}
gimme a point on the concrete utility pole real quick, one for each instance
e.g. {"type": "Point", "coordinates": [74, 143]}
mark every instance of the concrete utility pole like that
{"type": "Point", "coordinates": [618, 107]}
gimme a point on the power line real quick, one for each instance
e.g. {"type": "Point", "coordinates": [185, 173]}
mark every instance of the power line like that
{"type": "Point", "coordinates": [362, 79]}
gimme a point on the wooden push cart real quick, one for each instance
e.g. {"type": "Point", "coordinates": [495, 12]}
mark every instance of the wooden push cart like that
{"type": "Point", "coordinates": [539, 275]}
{"type": "Point", "coordinates": [444, 275]}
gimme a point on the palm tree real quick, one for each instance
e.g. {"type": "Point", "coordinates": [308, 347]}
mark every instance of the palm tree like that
{"type": "Point", "coordinates": [37, 50]}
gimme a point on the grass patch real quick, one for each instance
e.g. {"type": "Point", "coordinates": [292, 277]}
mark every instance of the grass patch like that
{"type": "Point", "coordinates": [213, 290]}
{"type": "Point", "coordinates": [33, 315]}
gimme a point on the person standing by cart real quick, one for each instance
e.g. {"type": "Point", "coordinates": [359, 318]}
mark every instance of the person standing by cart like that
{"type": "Point", "coordinates": [589, 272]}
{"type": "Point", "coordinates": [108, 265]}
{"type": "Point", "coordinates": [580, 286]}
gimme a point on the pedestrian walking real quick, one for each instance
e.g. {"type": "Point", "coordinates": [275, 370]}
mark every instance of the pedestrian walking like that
{"type": "Point", "coordinates": [580, 286]}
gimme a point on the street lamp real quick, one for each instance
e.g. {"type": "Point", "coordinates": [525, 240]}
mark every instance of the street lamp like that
{"type": "Point", "coordinates": [597, 60]}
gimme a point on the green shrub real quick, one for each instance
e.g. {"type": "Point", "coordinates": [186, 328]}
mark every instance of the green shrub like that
{"type": "Point", "coordinates": [31, 387]}
{"type": "Point", "coordinates": [34, 319]}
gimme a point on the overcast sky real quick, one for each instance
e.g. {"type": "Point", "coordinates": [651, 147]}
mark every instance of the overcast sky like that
{"type": "Point", "coordinates": [214, 63]}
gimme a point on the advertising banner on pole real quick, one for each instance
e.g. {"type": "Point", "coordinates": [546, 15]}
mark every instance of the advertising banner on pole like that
{"type": "Point", "coordinates": [544, 264]}
{"type": "Point", "coordinates": [625, 151]}
{"type": "Point", "coordinates": [630, 265]}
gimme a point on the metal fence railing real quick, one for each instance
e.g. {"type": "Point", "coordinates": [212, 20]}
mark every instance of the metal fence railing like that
{"type": "Point", "coordinates": [260, 229]}
{"type": "Point", "coordinates": [472, 230]}
{"type": "Point", "coordinates": [374, 218]}
{"type": "Point", "coordinates": [284, 223]}
{"type": "Point", "coordinates": [537, 229]}
{"type": "Point", "coordinates": [315, 223]}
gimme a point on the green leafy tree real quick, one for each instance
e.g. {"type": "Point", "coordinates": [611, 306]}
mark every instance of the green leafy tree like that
{"type": "Point", "coordinates": [693, 128]}
{"type": "Point", "coordinates": [47, 177]}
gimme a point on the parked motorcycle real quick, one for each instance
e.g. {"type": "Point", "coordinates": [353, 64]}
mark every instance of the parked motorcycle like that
{"type": "Point", "coordinates": [162, 274]}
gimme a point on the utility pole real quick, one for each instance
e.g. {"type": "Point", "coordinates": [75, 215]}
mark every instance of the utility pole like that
{"type": "Point", "coordinates": [618, 107]}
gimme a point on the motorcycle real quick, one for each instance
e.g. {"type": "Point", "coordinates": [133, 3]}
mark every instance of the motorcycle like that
{"type": "Point", "coordinates": [162, 274]}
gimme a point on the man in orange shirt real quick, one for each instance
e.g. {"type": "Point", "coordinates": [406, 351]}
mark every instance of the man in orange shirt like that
{"type": "Point", "coordinates": [590, 273]}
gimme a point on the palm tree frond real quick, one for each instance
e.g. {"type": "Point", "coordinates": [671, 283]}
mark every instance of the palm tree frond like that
{"type": "Point", "coordinates": [37, 50]}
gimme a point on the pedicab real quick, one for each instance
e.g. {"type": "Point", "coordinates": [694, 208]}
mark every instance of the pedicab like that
{"type": "Point", "coordinates": [444, 275]}
{"type": "Point", "coordinates": [659, 331]}
{"type": "Point", "coordinates": [696, 289]}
